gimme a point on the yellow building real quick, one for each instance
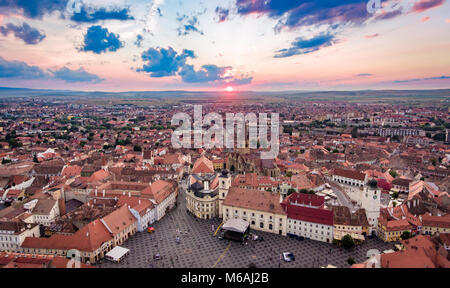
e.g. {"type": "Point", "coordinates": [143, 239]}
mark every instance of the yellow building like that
{"type": "Point", "coordinates": [392, 230]}
{"type": "Point", "coordinates": [435, 224]}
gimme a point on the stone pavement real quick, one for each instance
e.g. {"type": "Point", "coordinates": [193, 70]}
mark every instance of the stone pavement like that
{"type": "Point", "coordinates": [198, 248]}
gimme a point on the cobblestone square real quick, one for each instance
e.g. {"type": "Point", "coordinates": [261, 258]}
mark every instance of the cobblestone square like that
{"type": "Point", "coordinates": [198, 248]}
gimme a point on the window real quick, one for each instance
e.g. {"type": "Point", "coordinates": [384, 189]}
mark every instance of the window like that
{"type": "Point", "coordinates": [261, 225]}
{"type": "Point", "coordinates": [270, 226]}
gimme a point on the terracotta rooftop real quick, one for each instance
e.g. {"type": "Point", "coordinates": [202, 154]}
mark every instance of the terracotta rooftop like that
{"type": "Point", "coordinates": [254, 199]}
{"type": "Point", "coordinates": [352, 174]}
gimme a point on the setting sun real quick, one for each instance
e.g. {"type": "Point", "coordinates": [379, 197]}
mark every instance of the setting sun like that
{"type": "Point", "coordinates": [229, 89]}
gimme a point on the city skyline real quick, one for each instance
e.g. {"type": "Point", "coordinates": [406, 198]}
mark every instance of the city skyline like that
{"type": "Point", "coordinates": [224, 45]}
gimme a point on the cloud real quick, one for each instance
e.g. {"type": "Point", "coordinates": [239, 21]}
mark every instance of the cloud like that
{"type": "Point", "coordinates": [244, 80]}
{"type": "Point", "coordinates": [162, 62]}
{"type": "Point", "coordinates": [207, 73]}
{"type": "Point", "coordinates": [34, 9]}
{"type": "Point", "coordinates": [307, 12]}
{"type": "Point", "coordinates": [99, 40]}
{"type": "Point", "coordinates": [422, 79]}
{"type": "Point", "coordinates": [188, 25]}
{"type": "Point", "coordinates": [28, 34]}
{"type": "Point", "coordinates": [425, 19]}
{"type": "Point", "coordinates": [371, 36]}
{"type": "Point", "coordinates": [139, 39]}
{"type": "Point", "coordinates": [73, 76]}
{"type": "Point", "coordinates": [305, 46]}
{"type": "Point", "coordinates": [20, 70]}
{"type": "Point", "coordinates": [165, 62]}
{"type": "Point", "coordinates": [423, 5]}
{"type": "Point", "coordinates": [222, 13]}
{"type": "Point", "coordinates": [93, 15]}
{"type": "Point", "coordinates": [386, 15]}
{"type": "Point", "coordinates": [23, 71]}
{"type": "Point", "coordinates": [364, 75]}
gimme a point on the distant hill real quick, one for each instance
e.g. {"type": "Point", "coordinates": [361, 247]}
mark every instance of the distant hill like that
{"type": "Point", "coordinates": [191, 96]}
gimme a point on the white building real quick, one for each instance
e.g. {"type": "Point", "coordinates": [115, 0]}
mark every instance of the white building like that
{"type": "Point", "coordinates": [142, 209]}
{"type": "Point", "coordinates": [350, 177]}
{"type": "Point", "coordinates": [45, 212]}
{"type": "Point", "coordinates": [261, 209]}
{"type": "Point", "coordinates": [307, 217]}
{"type": "Point", "coordinates": [163, 196]}
{"type": "Point", "coordinates": [12, 235]}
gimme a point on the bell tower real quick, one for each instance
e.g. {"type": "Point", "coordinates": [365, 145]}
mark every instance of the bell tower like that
{"type": "Point", "coordinates": [224, 186]}
{"type": "Point", "coordinates": [370, 201]}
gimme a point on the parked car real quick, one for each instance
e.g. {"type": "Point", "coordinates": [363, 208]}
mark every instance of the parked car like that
{"type": "Point", "coordinates": [157, 257]}
{"type": "Point", "coordinates": [257, 238]}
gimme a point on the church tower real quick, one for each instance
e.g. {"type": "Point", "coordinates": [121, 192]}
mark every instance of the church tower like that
{"type": "Point", "coordinates": [370, 201]}
{"type": "Point", "coordinates": [224, 187]}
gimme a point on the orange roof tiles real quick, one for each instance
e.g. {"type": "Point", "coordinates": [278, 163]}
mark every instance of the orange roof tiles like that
{"type": "Point", "coordinates": [203, 166]}
{"type": "Point", "coordinates": [255, 200]}
{"type": "Point", "coordinates": [119, 220]}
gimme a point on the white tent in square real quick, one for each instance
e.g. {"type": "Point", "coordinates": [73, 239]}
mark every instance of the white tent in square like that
{"type": "Point", "coordinates": [117, 254]}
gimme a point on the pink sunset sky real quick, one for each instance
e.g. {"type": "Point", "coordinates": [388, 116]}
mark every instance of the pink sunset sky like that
{"type": "Point", "coordinates": [135, 45]}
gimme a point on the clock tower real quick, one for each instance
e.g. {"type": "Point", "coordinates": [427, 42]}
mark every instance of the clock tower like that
{"type": "Point", "coordinates": [224, 187]}
{"type": "Point", "coordinates": [370, 201]}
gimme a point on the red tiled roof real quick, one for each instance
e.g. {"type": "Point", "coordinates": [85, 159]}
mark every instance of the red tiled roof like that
{"type": "Point", "coordinates": [138, 204]}
{"type": "Point", "coordinates": [158, 191]}
{"type": "Point", "coordinates": [307, 207]}
{"type": "Point", "coordinates": [88, 239]}
{"type": "Point", "coordinates": [254, 199]}
{"type": "Point", "coordinates": [352, 174]}
{"type": "Point", "coordinates": [436, 221]}
{"type": "Point", "coordinates": [203, 166]}
{"type": "Point", "coordinates": [119, 220]}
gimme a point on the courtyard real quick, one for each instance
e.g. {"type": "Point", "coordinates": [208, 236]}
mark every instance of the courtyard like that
{"type": "Point", "coordinates": [199, 248]}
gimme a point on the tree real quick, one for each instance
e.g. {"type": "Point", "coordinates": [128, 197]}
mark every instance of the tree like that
{"type": "Point", "coordinates": [289, 174]}
{"type": "Point", "coordinates": [35, 159]}
{"type": "Point", "coordinates": [405, 235]}
{"type": "Point", "coordinates": [137, 148]}
{"type": "Point", "coordinates": [439, 137]}
{"type": "Point", "coordinates": [348, 242]}
{"type": "Point", "coordinates": [395, 195]}
{"type": "Point", "coordinates": [306, 191]}
{"type": "Point", "coordinates": [290, 191]}
{"type": "Point", "coordinates": [351, 261]}
{"type": "Point", "coordinates": [393, 173]}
